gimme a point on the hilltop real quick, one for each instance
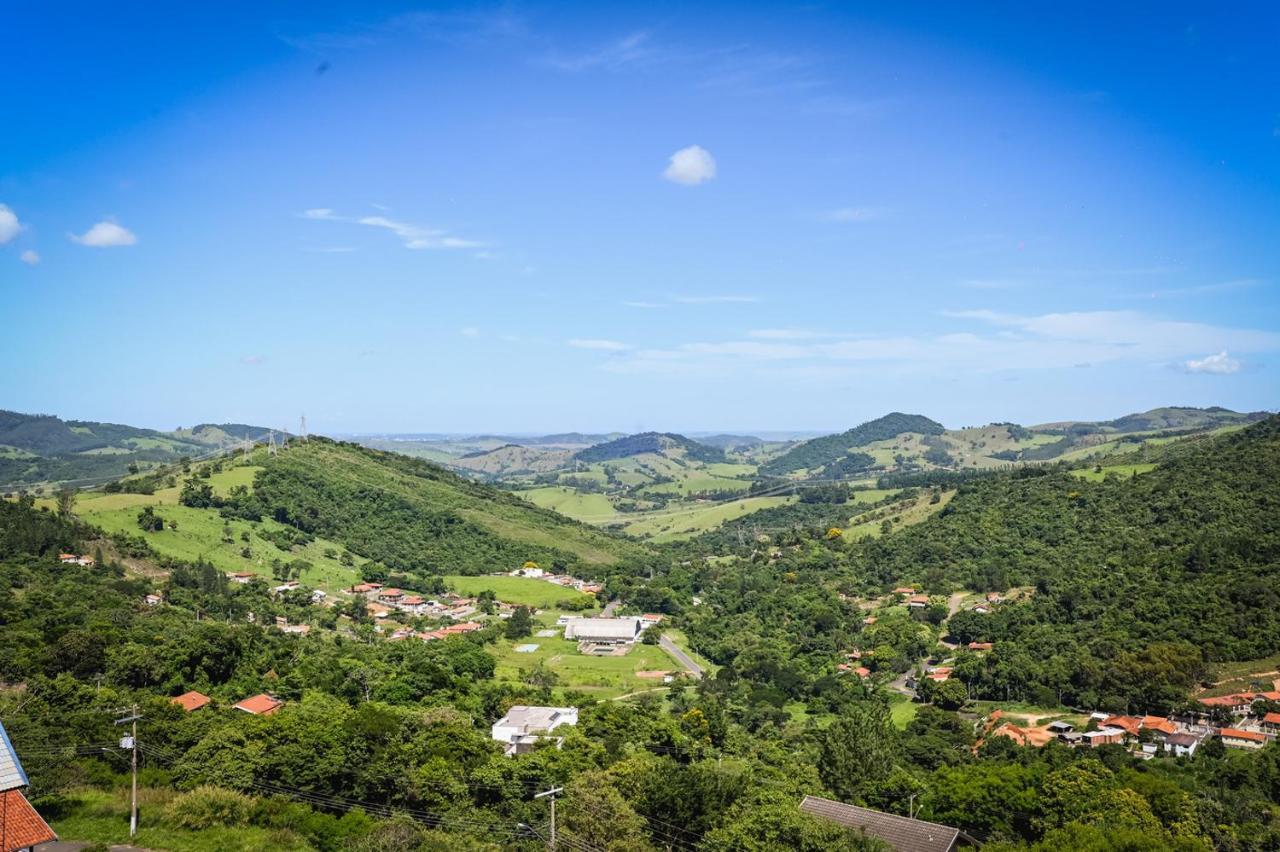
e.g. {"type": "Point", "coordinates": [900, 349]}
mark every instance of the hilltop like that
{"type": "Point", "coordinates": [1173, 417]}
{"type": "Point", "coordinates": [832, 451]}
{"type": "Point", "coordinates": [665, 444]}
{"type": "Point", "coordinates": [513, 460]}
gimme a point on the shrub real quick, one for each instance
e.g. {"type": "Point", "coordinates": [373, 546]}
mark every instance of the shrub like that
{"type": "Point", "coordinates": [208, 807]}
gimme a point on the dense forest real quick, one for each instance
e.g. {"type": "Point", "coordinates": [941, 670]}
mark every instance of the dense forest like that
{"type": "Point", "coordinates": [649, 442]}
{"type": "Point", "coordinates": [830, 449]}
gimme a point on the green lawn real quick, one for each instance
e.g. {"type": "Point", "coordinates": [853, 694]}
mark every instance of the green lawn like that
{"type": "Point", "coordinates": [516, 590]}
{"type": "Point", "coordinates": [902, 710]}
{"type": "Point", "coordinates": [590, 507]}
{"type": "Point", "coordinates": [603, 677]}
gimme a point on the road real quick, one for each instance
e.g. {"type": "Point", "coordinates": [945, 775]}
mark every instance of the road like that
{"type": "Point", "coordinates": [610, 608]}
{"type": "Point", "coordinates": [681, 657]}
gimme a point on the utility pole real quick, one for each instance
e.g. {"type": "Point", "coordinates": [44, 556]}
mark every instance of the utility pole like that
{"type": "Point", "coordinates": [133, 747]}
{"type": "Point", "coordinates": [551, 844]}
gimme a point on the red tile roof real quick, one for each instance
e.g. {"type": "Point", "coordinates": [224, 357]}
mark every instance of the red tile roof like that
{"type": "Point", "coordinates": [1158, 723]}
{"type": "Point", "coordinates": [22, 827]}
{"type": "Point", "coordinates": [260, 705]}
{"type": "Point", "coordinates": [1129, 724]}
{"type": "Point", "coordinates": [1237, 734]}
{"type": "Point", "coordinates": [191, 701]}
{"type": "Point", "coordinates": [979, 646]}
{"type": "Point", "coordinates": [862, 672]}
{"type": "Point", "coordinates": [1272, 718]}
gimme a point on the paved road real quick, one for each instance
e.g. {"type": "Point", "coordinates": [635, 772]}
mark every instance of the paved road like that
{"type": "Point", "coordinates": [610, 608]}
{"type": "Point", "coordinates": [683, 658]}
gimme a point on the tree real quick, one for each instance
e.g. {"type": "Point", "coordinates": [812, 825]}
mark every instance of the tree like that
{"type": "Point", "coordinates": [950, 694]}
{"type": "Point", "coordinates": [66, 502]}
{"type": "Point", "coordinates": [858, 750]}
{"type": "Point", "coordinates": [520, 624]}
{"type": "Point", "coordinates": [774, 821]}
{"type": "Point", "coordinates": [597, 815]}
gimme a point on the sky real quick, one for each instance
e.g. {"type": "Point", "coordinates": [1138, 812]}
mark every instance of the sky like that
{"type": "Point", "coordinates": [396, 217]}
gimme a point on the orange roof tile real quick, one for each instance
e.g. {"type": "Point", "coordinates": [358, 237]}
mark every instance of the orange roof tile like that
{"type": "Point", "coordinates": [191, 700]}
{"type": "Point", "coordinates": [1272, 718]}
{"type": "Point", "coordinates": [22, 826]}
{"type": "Point", "coordinates": [260, 705]}
{"type": "Point", "coordinates": [1129, 724]}
{"type": "Point", "coordinates": [1158, 723]}
{"type": "Point", "coordinates": [1237, 734]}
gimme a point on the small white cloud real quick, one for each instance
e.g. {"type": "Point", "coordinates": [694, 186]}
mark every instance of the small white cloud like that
{"type": "Point", "coordinates": [106, 235]}
{"type": "Point", "coordinates": [9, 224]}
{"type": "Point", "coordinates": [1221, 364]}
{"type": "Point", "coordinates": [691, 166]}
{"type": "Point", "coordinates": [30, 257]}
{"type": "Point", "coordinates": [254, 360]}
{"type": "Point", "coordinates": [412, 236]}
{"type": "Point", "coordinates": [602, 345]}
{"type": "Point", "coordinates": [713, 300]}
{"type": "Point", "coordinates": [318, 213]}
{"type": "Point", "coordinates": [855, 214]}
{"type": "Point", "coordinates": [469, 331]}
{"type": "Point", "coordinates": [644, 305]}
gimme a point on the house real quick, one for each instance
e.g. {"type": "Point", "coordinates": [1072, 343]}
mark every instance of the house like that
{"type": "Point", "coordinates": [524, 726]}
{"type": "Point", "coordinates": [20, 826]}
{"type": "Point", "coordinates": [391, 596]}
{"type": "Point", "coordinates": [296, 629]}
{"type": "Point", "coordinates": [318, 596]}
{"type": "Point", "coordinates": [153, 600]}
{"type": "Point", "coordinates": [918, 601]}
{"type": "Point", "coordinates": [531, 572]}
{"type": "Point", "coordinates": [284, 587]}
{"type": "Point", "coordinates": [591, 588]}
{"type": "Point", "coordinates": [982, 609]}
{"type": "Point", "coordinates": [979, 646]}
{"type": "Point", "coordinates": [651, 618]}
{"type": "Point", "coordinates": [1159, 726]}
{"type": "Point", "coordinates": [904, 590]}
{"type": "Point", "coordinates": [1060, 728]}
{"type": "Point", "coordinates": [1182, 745]}
{"type": "Point", "coordinates": [603, 631]}
{"type": "Point", "coordinates": [364, 588]}
{"type": "Point", "coordinates": [414, 604]}
{"type": "Point", "coordinates": [260, 705]}
{"type": "Point", "coordinates": [902, 833]}
{"type": "Point", "coordinates": [1271, 723]}
{"type": "Point", "coordinates": [1237, 738]}
{"type": "Point", "coordinates": [192, 701]}
{"type": "Point", "coordinates": [1237, 704]}
{"type": "Point", "coordinates": [73, 559]}
{"type": "Point", "coordinates": [1103, 736]}
{"type": "Point", "coordinates": [940, 673]}
{"type": "Point", "coordinates": [242, 577]}
{"type": "Point", "coordinates": [995, 598]}
{"type": "Point", "coordinates": [1129, 724]}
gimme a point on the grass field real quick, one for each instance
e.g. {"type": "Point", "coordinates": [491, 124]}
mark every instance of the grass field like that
{"type": "Point", "coordinates": [103, 817]}
{"type": "Point", "coordinates": [1124, 471]}
{"type": "Point", "coordinates": [603, 677]}
{"type": "Point", "coordinates": [672, 524]}
{"type": "Point", "coordinates": [913, 514]}
{"type": "Point", "coordinates": [574, 504]}
{"type": "Point", "coordinates": [516, 590]}
{"type": "Point", "coordinates": [902, 710]}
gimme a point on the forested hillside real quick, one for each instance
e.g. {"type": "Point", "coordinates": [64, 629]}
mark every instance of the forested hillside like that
{"type": "Point", "coordinates": [829, 449]}
{"type": "Point", "coordinates": [650, 442]}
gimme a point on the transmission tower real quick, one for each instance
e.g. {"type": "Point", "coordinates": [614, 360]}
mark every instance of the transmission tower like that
{"type": "Point", "coordinates": [248, 447]}
{"type": "Point", "coordinates": [284, 439]}
{"type": "Point", "coordinates": [302, 427]}
{"type": "Point", "coordinates": [271, 442]}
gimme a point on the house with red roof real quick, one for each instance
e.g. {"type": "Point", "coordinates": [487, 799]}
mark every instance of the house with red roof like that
{"type": "Point", "coordinates": [260, 705]}
{"type": "Point", "coordinates": [1237, 738]}
{"type": "Point", "coordinates": [192, 701]}
{"type": "Point", "coordinates": [1271, 723]}
{"type": "Point", "coordinates": [979, 646]}
{"type": "Point", "coordinates": [20, 826]}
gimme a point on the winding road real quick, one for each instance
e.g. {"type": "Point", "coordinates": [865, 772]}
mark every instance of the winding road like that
{"type": "Point", "coordinates": [684, 659]}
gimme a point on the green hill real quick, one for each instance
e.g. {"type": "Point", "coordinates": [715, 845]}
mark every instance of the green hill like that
{"type": "Point", "coordinates": [1157, 419]}
{"type": "Point", "coordinates": [832, 449]}
{"type": "Point", "coordinates": [661, 443]}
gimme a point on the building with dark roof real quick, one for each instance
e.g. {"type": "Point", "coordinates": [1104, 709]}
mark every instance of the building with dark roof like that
{"type": "Point", "coordinates": [902, 833]}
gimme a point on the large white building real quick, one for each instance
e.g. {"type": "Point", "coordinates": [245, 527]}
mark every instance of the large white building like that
{"type": "Point", "coordinates": [604, 631]}
{"type": "Point", "coordinates": [525, 726]}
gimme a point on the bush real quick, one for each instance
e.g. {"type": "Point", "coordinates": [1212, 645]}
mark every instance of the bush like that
{"type": "Point", "coordinates": [209, 807]}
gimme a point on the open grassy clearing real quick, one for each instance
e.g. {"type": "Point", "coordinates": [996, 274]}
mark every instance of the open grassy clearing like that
{"type": "Point", "coordinates": [602, 677]}
{"type": "Point", "coordinates": [672, 524]}
{"type": "Point", "coordinates": [902, 710]}
{"type": "Point", "coordinates": [516, 590]}
{"type": "Point", "coordinates": [1124, 471]}
{"type": "Point", "coordinates": [574, 504]}
{"type": "Point", "coordinates": [913, 514]}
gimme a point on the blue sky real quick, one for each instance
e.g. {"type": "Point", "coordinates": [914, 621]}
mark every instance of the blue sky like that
{"type": "Point", "coordinates": [538, 217]}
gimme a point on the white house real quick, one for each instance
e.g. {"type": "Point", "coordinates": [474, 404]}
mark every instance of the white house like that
{"type": "Point", "coordinates": [604, 631]}
{"type": "Point", "coordinates": [524, 726]}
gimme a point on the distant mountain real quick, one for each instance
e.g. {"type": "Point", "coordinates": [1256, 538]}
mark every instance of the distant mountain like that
{"type": "Point", "coordinates": [513, 459]}
{"type": "Point", "coordinates": [1157, 419]}
{"type": "Point", "coordinates": [731, 442]}
{"type": "Point", "coordinates": [833, 449]}
{"type": "Point", "coordinates": [661, 443]}
{"type": "Point", "coordinates": [43, 449]}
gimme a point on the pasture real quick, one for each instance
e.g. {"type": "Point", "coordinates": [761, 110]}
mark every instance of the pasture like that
{"type": "Point", "coordinates": [522, 591]}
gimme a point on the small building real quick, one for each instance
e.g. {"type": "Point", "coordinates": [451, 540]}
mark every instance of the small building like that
{"type": "Point", "coordinates": [260, 705]}
{"type": "Point", "coordinates": [284, 587]}
{"type": "Point", "coordinates": [1237, 738]}
{"type": "Point", "coordinates": [1181, 745]}
{"type": "Point", "coordinates": [979, 646]}
{"type": "Point", "coordinates": [904, 590]}
{"type": "Point", "coordinates": [20, 826]}
{"type": "Point", "coordinates": [364, 588]}
{"type": "Point", "coordinates": [391, 596]}
{"type": "Point", "coordinates": [524, 726]}
{"type": "Point", "coordinates": [73, 559]}
{"type": "Point", "coordinates": [153, 600]}
{"type": "Point", "coordinates": [651, 618]}
{"type": "Point", "coordinates": [1103, 736]}
{"type": "Point", "coordinates": [1129, 724]}
{"type": "Point", "coordinates": [603, 631]}
{"type": "Point", "coordinates": [244, 578]}
{"type": "Point", "coordinates": [1271, 723]}
{"type": "Point", "coordinates": [192, 701]}
{"type": "Point", "coordinates": [918, 601]}
{"type": "Point", "coordinates": [1237, 704]}
{"type": "Point", "coordinates": [902, 833]}
{"type": "Point", "coordinates": [1059, 728]}
{"type": "Point", "coordinates": [318, 596]}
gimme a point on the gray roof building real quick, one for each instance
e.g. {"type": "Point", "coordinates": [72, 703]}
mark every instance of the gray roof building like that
{"type": "Point", "coordinates": [902, 833]}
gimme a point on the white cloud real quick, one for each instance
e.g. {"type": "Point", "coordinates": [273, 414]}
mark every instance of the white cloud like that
{"type": "Point", "coordinates": [691, 166]}
{"type": "Point", "coordinates": [856, 214]}
{"type": "Point", "coordinates": [30, 257]}
{"type": "Point", "coordinates": [1048, 341]}
{"type": "Point", "coordinates": [602, 345]}
{"type": "Point", "coordinates": [713, 300]}
{"type": "Point", "coordinates": [627, 50]}
{"type": "Point", "coordinates": [412, 236]}
{"type": "Point", "coordinates": [644, 304]}
{"type": "Point", "coordinates": [1221, 364]}
{"type": "Point", "coordinates": [9, 224]}
{"type": "Point", "coordinates": [106, 235]}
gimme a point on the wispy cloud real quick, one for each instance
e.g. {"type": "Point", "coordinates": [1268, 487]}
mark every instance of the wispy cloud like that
{"type": "Point", "coordinates": [105, 234]}
{"type": "Point", "coordinates": [690, 166]}
{"type": "Point", "coordinates": [1002, 342]}
{"type": "Point", "coordinates": [856, 214]}
{"type": "Point", "coordinates": [787, 334]}
{"type": "Point", "coordinates": [644, 305]}
{"type": "Point", "coordinates": [1198, 289]}
{"type": "Point", "coordinates": [1220, 364]}
{"type": "Point", "coordinates": [254, 360]}
{"type": "Point", "coordinates": [713, 300]}
{"type": "Point", "coordinates": [630, 49]}
{"type": "Point", "coordinates": [30, 257]}
{"type": "Point", "coordinates": [601, 345]}
{"type": "Point", "coordinates": [411, 236]}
